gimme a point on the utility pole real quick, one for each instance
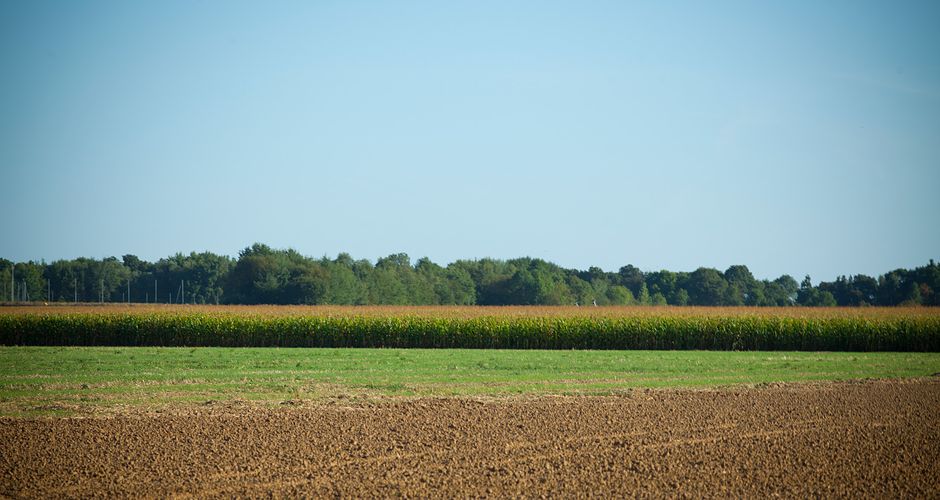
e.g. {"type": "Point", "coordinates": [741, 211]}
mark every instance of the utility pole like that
{"type": "Point", "coordinates": [128, 290]}
{"type": "Point", "coordinates": [75, 288]}
{"type": "Point", "coordinates": [12, 282]}
{"type": "Point", "coordinates": [101, 291]}
{"type": "Point", "coordinates": [183, 289]}
{"type": "Point", "coordinates": [155, 299]}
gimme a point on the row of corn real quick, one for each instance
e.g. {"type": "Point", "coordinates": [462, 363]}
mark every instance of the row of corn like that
{"type": "Point", "coordinates": [487, 332]}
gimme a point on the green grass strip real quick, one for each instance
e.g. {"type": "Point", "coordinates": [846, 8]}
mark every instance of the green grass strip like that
{"type": "Point", "coordinates": [52, 380]}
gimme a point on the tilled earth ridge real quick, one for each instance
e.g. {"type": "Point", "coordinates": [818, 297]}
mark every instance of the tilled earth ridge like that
{"type": "Point", "coordinates": [864, 439]}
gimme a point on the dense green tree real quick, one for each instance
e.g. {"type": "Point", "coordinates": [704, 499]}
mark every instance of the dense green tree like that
{"type": "Point", "coordinates": [707, 287]}
{"type": "Point", "coordinates": [308, 284]}
{"type": "Point", "coordinates": [198, 278]}
{"type": "Point", "coordinates": [63, 280]}
{"type": "Point", "coordinates": [665, 283]}
{"type": "Point", "coordinates": [928, 277]}
{"type": "Point", "coordinates": [23, 281]}
{"type": "Point", "coordinates": [619, 295]}
{"type": "Point", "coordinates": [426, 284]}
{"type": "Point", "coordinates": [890, 288]}
{"type": "Point", "coordinates": [134, 264]}
{"type": "Point", "coordinates": [523, 288]}
{"type": "Point", "coordinates": [779, 292]}
{"type": "Point", "coordinates": [262, 274]}
{"type": "Point", "coordinates": [265, 276]}
{"type": "Point", "coordinates": [6, 280]}
{"type": "Point", "coordinates": [631, 278]}
{"type": "Point", "coordinates": [789, 285]}
{"type": "Point", "coordinates": [681, 297]}
{"type": "Point", "coordinates": [912, 295]}
{"type": "Point", "coordinates": [554, 291]}
{"type": "Point", "coordinates": [742, 287]}
{"type": "Point", "coordinates": [582, 292]}
{"type": "Point", "coordinates": [600, 288]}
{"type": "Point", "coordinates": [858, 290]}
{"type": "Point", "coordinates": [491, 278]}
{"type": "Point", "coordinates": [386, 287]}
{"type": "Point", "coordinates": [462, 290]}
{"type": "Point", "coordinates": [811, 296]}
{"type": "Point", "coordinates": [344, 287]}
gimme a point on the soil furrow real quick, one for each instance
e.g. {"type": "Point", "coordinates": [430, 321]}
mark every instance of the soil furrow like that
{"type": "Point", "coordinates": [852, 439]}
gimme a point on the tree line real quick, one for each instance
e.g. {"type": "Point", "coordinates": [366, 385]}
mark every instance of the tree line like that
{"type": "Point", "coordinates": [263, 275]}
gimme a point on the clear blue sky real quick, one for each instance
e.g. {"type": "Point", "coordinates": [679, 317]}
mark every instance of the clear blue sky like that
{"type": "Point", "coordinates": [793, 137]}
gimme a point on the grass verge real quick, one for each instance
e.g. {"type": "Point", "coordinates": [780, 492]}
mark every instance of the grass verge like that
{"type": "Point", "coordinates": [75, 380]}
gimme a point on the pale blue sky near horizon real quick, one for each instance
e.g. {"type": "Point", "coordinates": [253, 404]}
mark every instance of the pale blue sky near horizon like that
{"type": "Point", "coordinates": [794, 137]}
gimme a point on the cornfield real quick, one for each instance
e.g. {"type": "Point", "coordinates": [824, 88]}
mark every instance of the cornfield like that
{"type": "Point", "coordinates": [837, 329]}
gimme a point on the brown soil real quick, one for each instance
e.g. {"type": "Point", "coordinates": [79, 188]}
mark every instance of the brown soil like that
{"type": "Point", "coordinates": [871, 439]}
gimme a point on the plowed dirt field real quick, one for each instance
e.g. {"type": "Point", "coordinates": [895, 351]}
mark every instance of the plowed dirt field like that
{"type": "Point", "coordinates": [869, 439]}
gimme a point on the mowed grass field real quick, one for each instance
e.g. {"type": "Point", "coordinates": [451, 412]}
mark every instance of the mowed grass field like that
{"type": "Point", "coordinates": [37, 381]}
